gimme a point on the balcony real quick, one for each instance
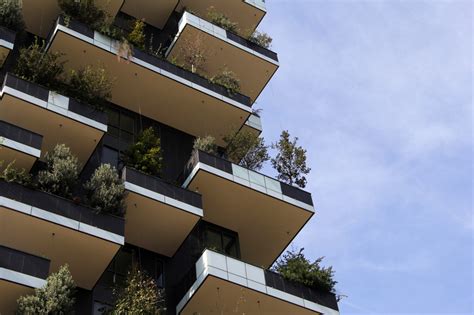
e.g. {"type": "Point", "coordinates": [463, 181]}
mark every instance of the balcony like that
{"type": "Point", "coordinates": [224, 285]}
{"type": "Point", "coordinates": [155, 13]}
{"type": "Point", "coordinates": [253, 124]}
{"type": "Point", "coordinates": [252, 64]}
{"type": "Point", "coordinates": [19, 145]}
{"type": "Point", "coordinates": [60, 230]}
{"type": "Point", "coordinates": [7, 41]}
{"type": "Point", "coordinates": [40, 16]}
{"type": "Point", "coordinates": [247, 13]}
{"type": "Point", "coordinates": [159, 215]}
{"type": "Point", "coordinates": [57, 118]}
{"type": "Point", "coordinates": [20, 273]}
{"type": "Point", "coordinates": [266, 213]}
{"type": "Point", "coordinates": [154, 87]}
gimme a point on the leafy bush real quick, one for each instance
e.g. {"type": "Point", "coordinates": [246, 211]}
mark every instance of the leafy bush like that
{"type": "Point", "coordinates": [140, 295]}
{"type": "Point", "coordinates": [222, 20]}
{"type": "Point", "coordinates": [56, 297]}
{"type": "Point", "coordinates": [105, 191]}
{"type": "Point", "coordinates": [262, 39]}
{"type": "Point", "coordinates": [193, 54]}
{"type": "Point", "coordinates": [11, 16]}
{"type": "Point", "coordinates": [228, 80]}
{"type": "Point", "coordinates": [294, 266]}
{"type": "Point", "coordinates": [206, 144]}
{"type": "Point", "coordinates": [145, 155]}
{"type": "Point", "coordinates": [36, 65]}
{"type": "Point", "coordinates": [91, 85]}
{"type": "Point", "coordinates": [290, 161]}
{"type": "Point", "coordinates": [62, 172]}
{"type": "Point", "coordinates": [137, 36]}
{"type": "Point", "coordinates": [246, 149]}
{"type": "Point", "coordinates": [85, 11]}
{"type": "Point", "coordinates": [13, 175]}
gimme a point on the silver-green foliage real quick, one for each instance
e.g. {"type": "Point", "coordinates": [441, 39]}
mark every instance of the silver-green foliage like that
{"type": "Point", "coordinates": [206, 144]}
{"type": "Point", "coordinates": [106, 191]}
{"type": "Point", "coordinates": [62, 172]}
{"type": "Point", "coordinates": [56, 297]}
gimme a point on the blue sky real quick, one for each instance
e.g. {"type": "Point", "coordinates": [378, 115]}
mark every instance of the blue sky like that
{"type": "Point", "coordinates": [380, 94]}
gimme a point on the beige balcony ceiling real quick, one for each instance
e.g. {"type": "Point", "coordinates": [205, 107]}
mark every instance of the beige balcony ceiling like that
{"type": "Point", "coordinates": [153, 12]}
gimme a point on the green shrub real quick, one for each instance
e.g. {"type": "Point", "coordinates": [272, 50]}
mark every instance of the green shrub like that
{"type": "Point", "coordinates": [262, 39]}
{"type": "Point", "coordinates": [11, 16]}
{"type": "Point", "coordinates": [221, 20]}
{"type": "Point", "coordinates": [91, 85]}
{"type": "Point", "coordinates": [56, 297]}
{"type": "Point", "coordinates": [137, 36]}
{"type": "Point", "coordinates": [62, 172]}
{"type": "Point", "coordinates": [13, 175]}
{"type": "Point", "coordinates": [206, 144]}
{"type": "Point", "coordinates": [145, 155]}
{"type": "Point", "coordinates": [85, 11]}
{"type": "Point", "coordinates": [193, 55]}
{"type": "Point", "coordinates": [140, 295]}
{"type": "Point", "coordinates": [105, 191]}
{"type": "Point", "coordinates": [36, 65]}
{"type": "Point", "coordinates": [228, 80]}
{"type": "Point", "coordinates": [294, 266]}
{"type": "Point", "coordinates": [246, 149]}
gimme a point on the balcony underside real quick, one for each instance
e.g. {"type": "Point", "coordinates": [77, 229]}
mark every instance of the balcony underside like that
{"type": "Point", "coordinates": [55, 128]}
{"type": "Point", "coordinates": [165, 98]}
{"type": "Point", "coordinates": [252, 69]}
{"type": "Point", "coordinates": [4, 51]}
{"type": "Point", "coordinates": [23, 159]}
{"type": "Point", "coordinates": [155, 13]}
{"type": "Point", "coordinates": [86, 255]}
{"type": "Point", "coordinates": [40, 16]}
{"type": "Point", "coordinates": [266, 225]}
{"type": "Point", "coordinates": [219, 296]}
{"type": "Point", "coordinates": [10, 292]}
{"type": "Point", "coordinates": [247, 15]}
{"type": "Point", "coordinates": [155, 225]}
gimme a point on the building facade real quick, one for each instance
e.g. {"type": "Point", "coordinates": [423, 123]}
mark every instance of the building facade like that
{"type": "Point", "coordinates": [207, 230]}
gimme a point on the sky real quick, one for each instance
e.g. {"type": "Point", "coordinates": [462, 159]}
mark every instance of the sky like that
{"type": "Point", "coordinates": [380, 94]}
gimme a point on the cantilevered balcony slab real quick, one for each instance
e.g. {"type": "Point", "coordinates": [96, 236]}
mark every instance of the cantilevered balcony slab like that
{"type": "Point", "coordinates": [247, 13]}
{"type": "Point", "coordinates": [60, 230]}
{"type": "Point", "coordinates": [159, 215]}
{"type": "Point", "coordinates": [154, 87]}
{"type": "Point", "coordinates": [20, 274]}
{"type": "Point", "coordinates": [7, 41]}
{"type": "Point", "coordinates": [155, 12]}
{"type": "Point", "coordinates": [19, 145]}
{"type": "Point", "coordinates": [266, 214]}
{"type": "Point", "coordinates": [253, 65]}
{"type": "Point", "coordinates": [225, 285]}
{"type": "Point", "coordinates": [40, 16]}
{"type": "Point", "coordinates": [253, 124]}
{"type": "Point", "coordinates": [57, 118]}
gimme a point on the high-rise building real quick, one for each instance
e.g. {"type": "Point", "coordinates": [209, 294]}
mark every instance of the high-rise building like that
{"type": "Point", "coordinates": [206, 229]}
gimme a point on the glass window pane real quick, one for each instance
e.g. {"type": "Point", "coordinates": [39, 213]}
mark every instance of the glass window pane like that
{"type": "Point", "coordinates": [123, 262]}
{"type": "Point", "coordinates": [126, 138]}
{"type": "Point", "coordinates": [112, 117]}
{"type": "Point", "coordinates": [110, 156]}
{"type": "Point", "coordinates": [126, 123]}
{"type": "Point", "coordinates": [113, 131]}
{"type": "Point", "coordinates": [230, 246]}
{"type": "Point", "coordinates": [213, 240]}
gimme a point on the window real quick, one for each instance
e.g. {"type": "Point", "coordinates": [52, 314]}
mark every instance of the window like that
{"type": "Point", "coordinates": [221, 240]}
{"type": "Point", "coordinates": [121, 125]}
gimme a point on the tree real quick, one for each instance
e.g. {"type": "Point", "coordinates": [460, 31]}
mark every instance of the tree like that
{"type": "Point", "coordinates": [294, 266]}
{"type": "Point", "coordinates": [85, 11]}
{"type": "Point", "coordinates": [137, 36]}
{"type": "Point", "coordinates": [105, 191]}
{"type": "Point", "coordinates": [246, 149]}
{"type": "Point", "coordinates": [290, 161]}
{"type": "Point", "coordinates": [206, 144]}
{"type": "Point", "coordinates": [140, 295]}
{"type": "Point", "coordinates": [37, 65]}
{"type": "Point", "coordinates": [145, 155]}
{"type": "Point", "coordinates": [61, 173]}
{"type": "Point", "coordinates": [11, 16]}
{"type": "Point", "coordinates": [56, 297]}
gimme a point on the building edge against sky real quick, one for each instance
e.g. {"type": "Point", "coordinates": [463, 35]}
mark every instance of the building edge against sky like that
{"type": "Point", "coordinates": [207, 230]}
